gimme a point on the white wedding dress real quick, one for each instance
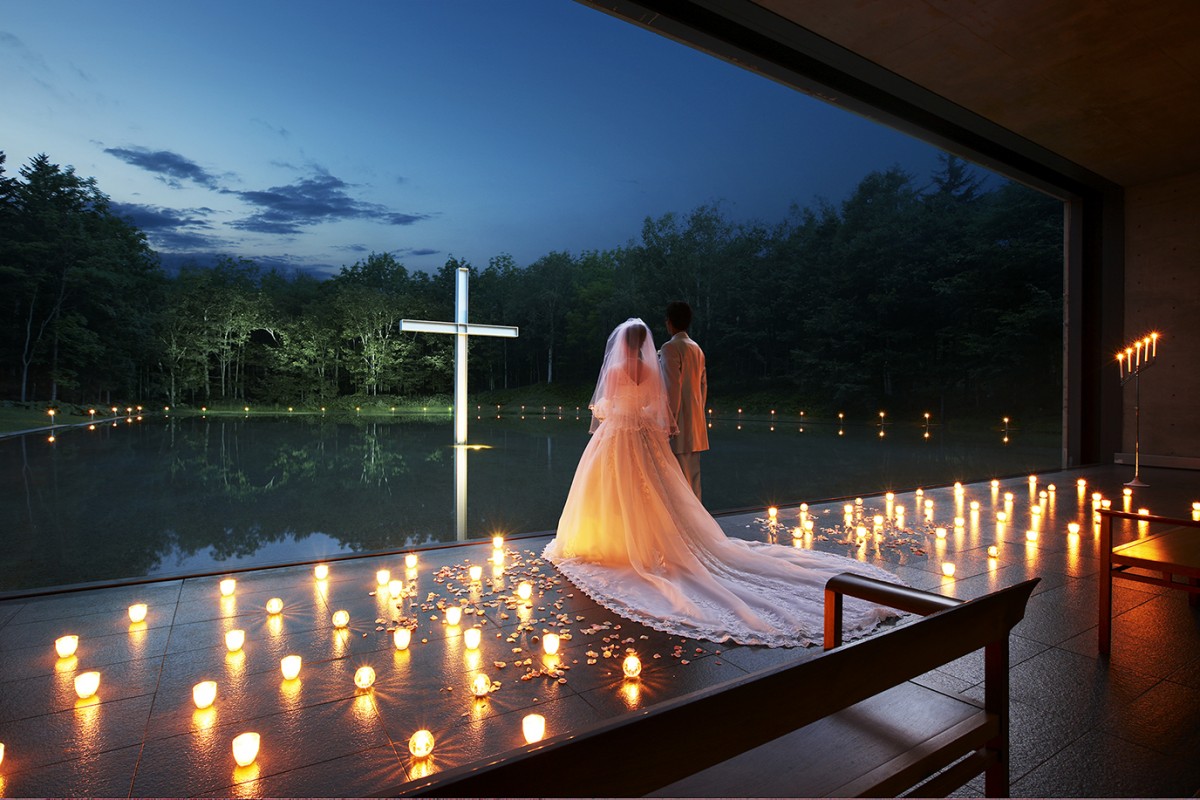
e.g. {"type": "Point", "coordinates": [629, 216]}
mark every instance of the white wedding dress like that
{"type": "Point", "coordinates": [634, 538]}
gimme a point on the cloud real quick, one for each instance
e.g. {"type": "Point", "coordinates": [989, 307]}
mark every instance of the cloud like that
{"type": "Point", "coordinates": [170, 228]}
{"type": "Point", "coordinates": [285, 210]}
{"type": "Point", "coordinates": [171, 167]}
{"type": "Point", "coordinates": [34, 60]}
{"type": "Point", "coordinates": [423, 251]}
{"type": "Point", "coordinates": [309, 201]}
{"type": "Point", "coordinates": [282, 133]}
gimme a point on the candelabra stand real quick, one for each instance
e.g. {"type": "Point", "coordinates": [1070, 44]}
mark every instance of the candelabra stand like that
{"type": "Point", "coordinates": [1139, 356]}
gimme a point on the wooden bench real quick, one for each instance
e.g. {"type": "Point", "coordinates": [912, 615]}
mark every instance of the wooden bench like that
{"type": "Point", "coordinates": [850, 720]}
{"type": "Point", "coordinates": [1156, 558]}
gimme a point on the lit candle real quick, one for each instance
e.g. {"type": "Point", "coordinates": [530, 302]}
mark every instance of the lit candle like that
{"type": "Point", "coordinates": [632, 666]}
{"type": "Point", "coordinates": [290, 667]}
{"type": "Point", "coordinates": [341, 619]}
{"type": "Point", "coordinates": [420, 744]}
{"type": "Point", "coordinates": [472, 637]}
{"type": "Point", "coordinates": [395, 587]}
{"type": "Point", "coordinates": [1138, 353]}
{"type": "Point", "coordinates": [382, 577]}
{"type": "Point", "coordinates": [1001, 516]}
{"type": "Point", "coordinates": [410, 561]}
{"type": "Point", "coordinates": [86, 684]}
{"type": "Point", "coordinates": [275, 605]}
{"type": "Point", "coordinates": [497, 542]}
{"type": "Point", "coordinates": [137, 612]}
{"type": "Point", "coordinates": [534, 728]}
{"type": "Point", "coordinates": [550, 643]}
{"type": "Point", "coordinates": [401, 638]}
{"type": "Point", "coordinates": [227, 587]}
{"type": "Point", "coordinates": [453, 615]}
{"type": "Point", "coordinates": [1121, 364]}
{"type": "Point", "coordinates": [65, 645]}
{"type": "Point", "coordinates": [772, 512]}
{"type": "Point", "coordinates": [364, 677]}
{"type": "Point", "coordinates": [321, 571]}
{"type": "Point", "coordinates": [939, 533]}
{"type": "Point", "coordinates": [1031, 535]}
{"type": "Point", "coordinates": [204, 693]}
{"type": "Point", "coordinates": [475, 572]}
{"type": "Point", "coordinates": [993, 551]}
{"type": "Point", "coordinates": [524, 590]}
{"type": "Point", "coordinates": [1153, 345]}
{"type": "Point", "coordinates": [1073, 528]}
{"type": "Point", "coordinates": [245, 748]}
{"type": "Point", "coordinates": [234, 640]}
{"type": "Point", "coordinates": [480, 685]}
{"type": "Point", "coordinates": [948, 569]}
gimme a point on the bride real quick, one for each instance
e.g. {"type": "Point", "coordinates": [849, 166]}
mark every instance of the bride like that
{"type": "Point", "coordinates": [634, 537]}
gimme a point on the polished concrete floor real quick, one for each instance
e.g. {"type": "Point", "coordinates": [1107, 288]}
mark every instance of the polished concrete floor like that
{"type": "Point", "coordinates": [1083, 725]}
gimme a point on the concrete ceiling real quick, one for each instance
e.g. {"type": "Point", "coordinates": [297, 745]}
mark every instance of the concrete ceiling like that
{"type": "Point", "coordinates": [1111, 86]}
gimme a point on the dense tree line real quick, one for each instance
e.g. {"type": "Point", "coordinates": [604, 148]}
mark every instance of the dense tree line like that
{"type": "Point", "coordinates": [943, 295]}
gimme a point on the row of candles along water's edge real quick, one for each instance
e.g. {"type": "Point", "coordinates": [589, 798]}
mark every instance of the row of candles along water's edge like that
{"type": "Point", "coordinates": [926, 417]}
{"type": "Point", "coordinates": [245, 746]}
{"type": "Point", "coordinates": [841, 421]}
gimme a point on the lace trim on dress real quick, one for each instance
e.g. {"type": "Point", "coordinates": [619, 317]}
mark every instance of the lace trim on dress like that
{"type": "Point", "coordinates": [859, 618]}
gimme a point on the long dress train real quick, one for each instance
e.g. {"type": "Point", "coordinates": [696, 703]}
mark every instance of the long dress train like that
{"type": "Point", "coordinates": [634, 538]}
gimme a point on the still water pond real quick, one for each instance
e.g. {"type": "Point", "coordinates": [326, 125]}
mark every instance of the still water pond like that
{"type": "Point", "coordinates": [173, 496]}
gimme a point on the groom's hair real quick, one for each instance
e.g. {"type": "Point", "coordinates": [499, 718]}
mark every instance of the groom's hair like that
{"type": "Point", "coordinates": [679, 314]}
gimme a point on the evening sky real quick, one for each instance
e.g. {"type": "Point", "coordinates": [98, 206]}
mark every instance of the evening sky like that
{"type": "Point", "coordinates": [309, 134]}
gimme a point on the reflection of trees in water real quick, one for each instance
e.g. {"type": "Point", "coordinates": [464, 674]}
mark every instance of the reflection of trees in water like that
{"type": "Point", "coordinates": [136, 499]}
{"type": "Point", "coordinates": [131, 500]}
{"type": "Point", "coordinates": [212, 455]}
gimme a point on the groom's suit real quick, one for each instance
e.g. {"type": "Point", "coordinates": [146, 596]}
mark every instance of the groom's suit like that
{"type": "Point", "coordinates": [682, 363]}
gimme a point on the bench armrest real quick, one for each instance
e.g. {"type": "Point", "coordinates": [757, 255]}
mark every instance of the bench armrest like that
{"type": "Point", "coordinates": [901, 598]}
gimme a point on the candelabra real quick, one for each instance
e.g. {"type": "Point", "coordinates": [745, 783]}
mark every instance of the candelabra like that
{"type": "Point", "coordinates": [1140, 355]}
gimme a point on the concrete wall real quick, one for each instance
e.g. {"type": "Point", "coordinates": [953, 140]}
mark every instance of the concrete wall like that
{"type": "Point", "coordinates": [1162, 292]}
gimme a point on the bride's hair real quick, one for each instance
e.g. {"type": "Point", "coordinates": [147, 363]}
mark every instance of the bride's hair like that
{"type": "Point", "coordinates": [635, 335]}
{"type": "Point", "coordinates": [629, 358]}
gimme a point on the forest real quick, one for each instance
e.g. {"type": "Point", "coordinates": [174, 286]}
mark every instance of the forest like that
{"type": "Point", "coordinates": [940, 293]}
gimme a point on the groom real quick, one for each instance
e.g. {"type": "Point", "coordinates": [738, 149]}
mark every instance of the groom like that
{"type": "Point", "coordinates": [682, 363]}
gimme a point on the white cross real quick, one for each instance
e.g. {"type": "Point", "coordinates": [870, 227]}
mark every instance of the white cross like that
{"type": "Point", "coordinates": [461, 329]}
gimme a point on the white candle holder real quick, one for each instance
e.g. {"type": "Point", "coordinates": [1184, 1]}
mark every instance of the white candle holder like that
{"type": "Point", "coordinates": [1139, 355]}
